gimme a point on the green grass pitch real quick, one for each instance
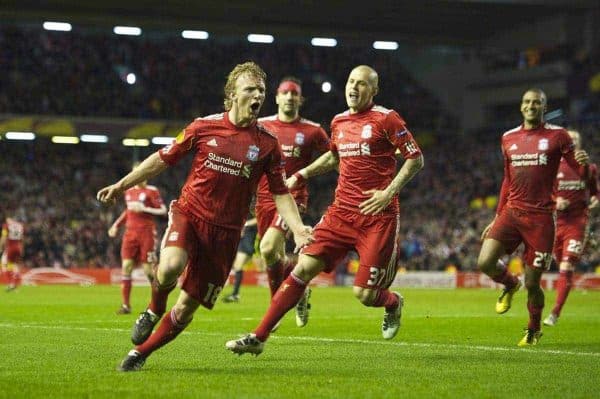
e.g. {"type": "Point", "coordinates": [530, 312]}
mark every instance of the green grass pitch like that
{"type": "Point", "coordinates": [65, 342]}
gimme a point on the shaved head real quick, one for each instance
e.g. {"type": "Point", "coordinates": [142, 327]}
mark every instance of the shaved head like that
{"type": "Point", "coordinates": [540, 92]}
{"type": "Point", "coordinates": [361, 87]}
{"type": "Point", "coordinates": [370, 73]}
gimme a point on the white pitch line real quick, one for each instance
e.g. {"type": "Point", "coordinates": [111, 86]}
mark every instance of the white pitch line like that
{"type": "Point", "coordinates": [339, 340]}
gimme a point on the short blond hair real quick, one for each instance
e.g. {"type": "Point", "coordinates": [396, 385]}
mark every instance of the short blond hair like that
{"type": "Point", "coordinates": [250, 68]}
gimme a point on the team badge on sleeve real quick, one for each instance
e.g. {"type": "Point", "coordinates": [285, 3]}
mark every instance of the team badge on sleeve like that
{"type": "Point", "coordinates": [299, 138]}
{"type": "Point", "coordinates": [402, 133]}
{"type": "Point", "coordinates": [252, 153]}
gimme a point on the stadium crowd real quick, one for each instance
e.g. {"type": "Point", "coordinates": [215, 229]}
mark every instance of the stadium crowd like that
{"type": "Point", "coordinates": [37, 69]}
{"type": "Point", "coordinates": [52, 187]}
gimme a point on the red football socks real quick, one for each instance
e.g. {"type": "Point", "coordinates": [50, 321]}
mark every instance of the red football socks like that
{"type": "Point", "coordinates": [275, 274]}
{"type": "Point", "coordinates": [126, 290]}
{"type": "Point", "coordinates": [385, 298]}
{"type": "Point", "coordinates": [166, 332]}
{"type": "Point", "coordinates": [535, 316]}
{"type": "Point", "coordinates": [507, 278]}
{"type": "Point", "coordinates": [158, 303]}
{"type": "Point", "coordinates": [286, 297]}
{"type": "Point", "coordinates": [563, 287]}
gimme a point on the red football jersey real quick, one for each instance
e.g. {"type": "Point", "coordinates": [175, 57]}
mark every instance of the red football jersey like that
{"type": "Point", "coordinates": [14, 231]}
{"type": "Point", "coordinates": [531, 159]}
{"type": "Point", "coordinates": [227, 165]}
{"type": "Point", "coordinates": [576, 189]}
{"type": "Point", "coordinates": [366, 144]}
{"type": "Point", "coordinates": [299, 141]}
{"type": "Point", "coordinates": [148, 196]}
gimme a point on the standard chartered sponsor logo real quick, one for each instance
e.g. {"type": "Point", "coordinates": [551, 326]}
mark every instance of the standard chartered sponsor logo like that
{"type": "Point", "coordinates": [568, 185]}
{"type": "Point", "coordinates": [529, 159]}
{"type": "Point", "coordinates": [365, 149]}
{"type": "Point", "coordinates": [353, 149]}
{"type": "Point", "coordinates": [290, 151]}
{"type": "Point", "coordinates": [227, 165]}
{"type": "Point", "coordinates": [246, 170]}
{"type": "Point", "coordinates": [224, 160]}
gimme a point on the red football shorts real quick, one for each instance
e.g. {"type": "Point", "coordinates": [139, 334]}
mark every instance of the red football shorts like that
{"type": "Point", "coordinates": [569, 242]}
{"type": "Point", "coordinates": [267, 216]}
{"type": "Point", "coordinates": [535, 230]}
{"type": "Point", "coordinates": [211, 250]}
{"type": "Point", "coordinates": [139, 245]}
{"type": "Point", "coordinates": [375, 238]}
{"type": "Point", "coordinates": [13, 252]}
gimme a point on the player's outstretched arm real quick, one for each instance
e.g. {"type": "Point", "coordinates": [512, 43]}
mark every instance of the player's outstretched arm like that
{"type": "Point", "coordinates": [149, 168]}
{"type": "Point", "coordinates": [160, 211]}
{"type": "Point", "coordinates": [380, 199]}
{"type": "Point", "coordinates": [114, 228]}
{"type": "Point", "coordinates": [325, 163]}
{"type": "Point", "coordinates": [287, 208]}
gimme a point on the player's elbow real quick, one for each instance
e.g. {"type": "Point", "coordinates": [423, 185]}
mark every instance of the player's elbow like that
{"type": "Point", "coordinates": [419, 163]}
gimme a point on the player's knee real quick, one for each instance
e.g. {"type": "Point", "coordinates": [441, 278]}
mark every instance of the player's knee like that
{"type": "Point", "coordinates": [172, 262]}
{"type": "Point", "coordinates": [268, 249]}
{"type": "Point", "coordinates": [532, 285]}
{"type": "Point", "coordinates": [486, 264]}
{"type": "Point", "coordinates": [169, 268]}
{"type": "Point", "coordinates": [364, 295]}
{"type": "Point", "coordinates": [127, 267]}
{"type": "Point", "coordinates": [307, 268]}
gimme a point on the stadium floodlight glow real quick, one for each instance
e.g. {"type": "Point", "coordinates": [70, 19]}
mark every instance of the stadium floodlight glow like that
{"type": "Point", "coordinates": [94, 138]}
{"type": "Point", "coordinates": [19, 136]}
{"type": "Point", "coordinates": [57, 26]}
{"type": "Point", "coordinates": [260, 38]}
{"type": "Point", "coordinates": [385, 45]}
{"type": "Point", "coordinates": [136, 142]}
{"type": "Point", "coordinates": [131, 78]}
{"type": "Point", "coordinates": [127, 30]}
{"type": "Point", "coordinates": [162, 140]}
{"type": "Point", "coordinates": [194, 34]}
{"type": "Point", "coordinates": [323, 42]}
{"type": "Point", "coordinates": [326, 87]}
{"type": "Point", "coordinates": [65, 139]}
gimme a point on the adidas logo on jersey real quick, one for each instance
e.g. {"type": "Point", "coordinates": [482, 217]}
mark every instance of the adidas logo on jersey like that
{"type": "Point", "coordinates": [212, 143]}
{"type": "Point", "coordinates": [513, 147]}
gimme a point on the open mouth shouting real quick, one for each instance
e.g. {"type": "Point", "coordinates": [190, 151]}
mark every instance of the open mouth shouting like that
{"type": "Point", "coordinates": [255, 107]}
{"type": "Point", "coordinates": [353, 96]}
